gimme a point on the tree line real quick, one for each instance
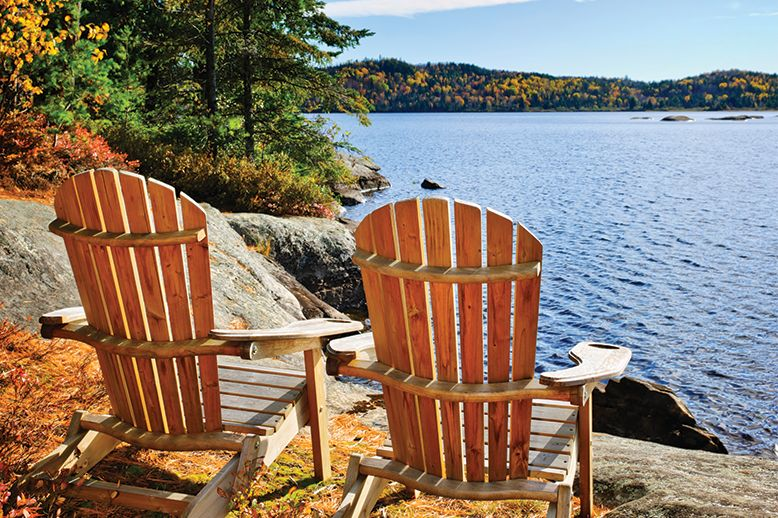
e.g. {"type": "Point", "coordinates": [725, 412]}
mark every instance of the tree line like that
{"type": "Point", "coordinates": [392, 85]}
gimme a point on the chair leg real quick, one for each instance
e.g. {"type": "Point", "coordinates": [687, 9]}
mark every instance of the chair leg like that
{"type": "Point", "coordinates": [80, 451]}
{"type": "Point", "coordinates": [214, 499]}
{"type": "Point", "coordinates": [585, 479]}
{"type": "Point", "coordinates": [564, 504]}
{"type": "Point", "coordinates": [249, 461]}
{"type": "Point", "coordinates": [317, 401]}
{"type": "Point", "coordinates": [360, 492]}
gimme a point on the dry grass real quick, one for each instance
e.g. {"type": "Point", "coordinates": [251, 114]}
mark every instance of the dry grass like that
{"type": "Point", "coordinates": [42, 382]}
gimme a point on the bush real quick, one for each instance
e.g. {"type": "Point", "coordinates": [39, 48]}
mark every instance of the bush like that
{"type": "Point", "coordinates": [35, 158]}
{"type": "Point", "coordinates": [270, 184]}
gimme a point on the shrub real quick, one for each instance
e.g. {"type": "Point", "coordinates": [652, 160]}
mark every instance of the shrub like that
{"type": "Point", "coordinates": [33, 157]}
{"type": "Point", "coordinates": [270, 184]}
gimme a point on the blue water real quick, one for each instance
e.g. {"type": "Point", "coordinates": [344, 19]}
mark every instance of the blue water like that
{"type": "Point", "coordinates": [660, 236]}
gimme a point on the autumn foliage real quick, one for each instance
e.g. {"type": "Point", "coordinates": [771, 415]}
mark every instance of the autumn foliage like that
{"type": "Point", "coordinates": [34, 157]}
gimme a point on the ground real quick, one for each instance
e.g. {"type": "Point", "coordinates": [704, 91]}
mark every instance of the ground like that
{"type": "Point", "coordinates": [42, 382]}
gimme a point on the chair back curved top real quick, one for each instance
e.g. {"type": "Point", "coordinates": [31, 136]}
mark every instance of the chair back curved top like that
{"type": "Point", "coordinates": [141, 264]}
{"type": "Point", "coordinates": [431, 290]}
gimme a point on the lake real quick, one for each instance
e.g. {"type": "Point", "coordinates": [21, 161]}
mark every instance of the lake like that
{"type": "Point", "coordinates": [659, 236]}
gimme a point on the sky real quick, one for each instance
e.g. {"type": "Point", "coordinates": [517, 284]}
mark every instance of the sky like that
{"type": "Point", "coordinates": [641, 39]}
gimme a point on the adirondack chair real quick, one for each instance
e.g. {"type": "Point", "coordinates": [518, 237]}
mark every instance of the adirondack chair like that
{"type": "Point", "coordinates": [456, 431]}
{"type": "Point", "coordinates": [173, 381]}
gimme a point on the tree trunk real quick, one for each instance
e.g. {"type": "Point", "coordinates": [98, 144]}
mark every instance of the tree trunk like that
{"type": "Point", "coordinates": [248, 74]}
{"type": "Point", "coordinates": [210, 72]}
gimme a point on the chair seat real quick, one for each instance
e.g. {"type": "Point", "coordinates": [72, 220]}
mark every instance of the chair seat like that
{"type": "Point", "coordinates": [553, 436]}
{"type": "Point", "coordinates": [256, 399]}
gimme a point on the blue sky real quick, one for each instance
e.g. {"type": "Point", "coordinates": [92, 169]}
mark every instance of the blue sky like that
{"type": "Point", "coordinates": [648, 39]}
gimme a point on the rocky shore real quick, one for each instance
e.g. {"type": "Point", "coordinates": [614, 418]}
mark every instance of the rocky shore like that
{"type": "Point", "coordinates": [269, 271]}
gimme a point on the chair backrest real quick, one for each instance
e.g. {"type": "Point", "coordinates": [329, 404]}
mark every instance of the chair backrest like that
{"type": "Point", "coordinates": [138, 280]}
{"type": "Point", "coordinates": [427, 309]}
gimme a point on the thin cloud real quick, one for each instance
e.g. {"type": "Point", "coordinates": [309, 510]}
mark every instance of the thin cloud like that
{"type": "Point", "coordinates": [774, 13]}
{"type": "Point", "coordinates": [406, 7]}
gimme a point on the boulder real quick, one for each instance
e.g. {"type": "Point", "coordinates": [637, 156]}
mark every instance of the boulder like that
{"type": "Point", "coordinates": [431, 184]}
{"type": "Point", "coordinates": [315, 251]}
{"type": "Point", "coordinates": [35, 275]}
{"type": "Point", "coordinates": [249, 289]}
{"type": "Point", "coordinates": [677, 118]}
{"type": "Point", "coordinates": [736, 118]}
{"type": "Point", "coordinates": [648, 411]}
{"type": "Point", "coordinates": [637, 479]}
{"type": "Point", "coordinates": [366, 179]}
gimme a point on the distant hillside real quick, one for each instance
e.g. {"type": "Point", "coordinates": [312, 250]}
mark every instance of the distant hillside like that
{"type": "Point", "coordinates": [395, 86]}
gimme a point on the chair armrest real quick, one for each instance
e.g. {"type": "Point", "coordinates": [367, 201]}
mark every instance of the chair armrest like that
{"type": "Point", "coordinates": [295, 337]}
{"type": "Point", "coordinates": [314, 328]}
{"type": "Point", "coordinates": [595, 361]}
{"type": "Point", "coordinates": [63, 316]}
{"type": "Point", "coordinates": [354, 347]}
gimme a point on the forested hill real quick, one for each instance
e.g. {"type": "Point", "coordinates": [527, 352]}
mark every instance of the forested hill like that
{"type": "Point", "coordinates": [395, 86]}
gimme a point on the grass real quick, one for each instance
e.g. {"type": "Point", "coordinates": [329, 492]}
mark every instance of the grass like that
{"type": "Point", "coordinates": [43, 382]}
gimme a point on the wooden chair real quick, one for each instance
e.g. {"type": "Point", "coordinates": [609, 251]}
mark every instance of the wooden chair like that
{"type": "Point", "coordinates": [143, 275]}
{"type": "Point", "coordinates": [457, 431]}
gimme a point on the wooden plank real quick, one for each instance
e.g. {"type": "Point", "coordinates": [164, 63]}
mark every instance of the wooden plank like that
{"type": "Point", "coordinates": [131, 496]}
{"type": "Point", "coordinates": [319, 420]}
{"type": "Point", "coordinates": [102, 265]}
{"type": "Point", "coordinates": [374, 296]}
{"type": "Point", "coordinates": [111, 208]}
{"type": "Point", "coordinates": [596, 362]}
{"type": "Point", "coordinates": [199, 265]}
{"type": "Point", "coordinates": [499, 490]}
{"type": "Point", "coordinates": [124, 239]}
{"type": "Point", "coordinates": [467, 222]}
{"type": "Point", "coordinates": [136, 206]}
{"type": "Point", "coordinates": [258, 392]}
{"type": "Point", "coordinates": [314, 328]}
{"type": "Point", "coordinates": [232, 363]}
{"type": "Point", "coordinates": [250, 422]}
{"type": "Point", "coordinates": [248, 404]}
{"type": "Point", "coordinates": [499, 251]}
{"type": "Point", "coordinates": [409, 241]}
{"type": "Point", "coordinates": [172, 269]}
{"type": "Point", "coordinates": [527, 294]}
{"type": "Point", "coordinates": [63, 316]}
{"type": "Point", "coordinates": [261, 379]}
{"type": "Point", "coordinates": [548, 413]}
{"type": "Point", "coordinates": [585, 480]}
{"type": "Point", "coordinates": [458, 275]}
{"type": "Point", "coordinates": [110, 425]}
{"type": "Point", "coordinates": [214, 499]}
{"type": "Point", "coordinates": [437, 230]}
{"type": "Point", "coordinates": [384, 238]}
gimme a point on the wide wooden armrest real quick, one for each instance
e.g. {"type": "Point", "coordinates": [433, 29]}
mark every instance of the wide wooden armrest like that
{"type": "Point", "coordinates": [63, 316]}
{"type": "Point", "coordinates": [595, 361]}
{"type": "Point", "coordinates": [354, 347]}
{"type": "Point", "coordinates": [302, 329]}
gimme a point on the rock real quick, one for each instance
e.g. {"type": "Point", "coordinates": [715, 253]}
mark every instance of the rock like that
{"type": "Point", "coordinates": [648, 411]}
{"type": "Point", "coordinates": [640, 118]}
{"type": "Point", "coordinates": [431, 184]}
{"type": "Point", "coordinates": [35, 275]}
{"type": "Point", "coordinates": [736, 118]}
{"type": "Point", "coordinates": [249, 290]}
{"type": "Point", "coordinates": [366, 179]}
{"type": "Point", "coordinates": [641, 479]}
{"type": "Point", "coordinates": [317, 252]}
{"type": "Point", "coordinates": [677, 118]}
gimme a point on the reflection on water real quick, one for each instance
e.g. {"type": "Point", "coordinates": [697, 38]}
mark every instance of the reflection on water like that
{"type": "Point", "coordinates": [659, 236]}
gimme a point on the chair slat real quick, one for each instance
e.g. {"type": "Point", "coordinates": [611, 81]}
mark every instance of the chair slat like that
{"type": "Point", "coordinates": [408, 219]}
{"type": "Point", "coordinates": [165, 216]}
{"type": "Point", "coordinates": [383, 225]}
{"type": "Point", "coordinates": [437, 231]}
{"type": "Point", "coordinates": [110, 205]}
{"type": "Point", "coordinates": [136, 205]}
{"type": "Point", "coordinates": [66, 207]}
{"type": "Point", "coordinates": [467, 223]}
{"type": "Point", "coordinates": [124, 385]}
{"type": "Point", "coordinates": [199, 265]}
{"type": "Point", "coordinates": [371, 281]}
{"type": "Point", "coordinates": [499, 251]}
{"type": "Point", "coordinates": [528, 248]}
